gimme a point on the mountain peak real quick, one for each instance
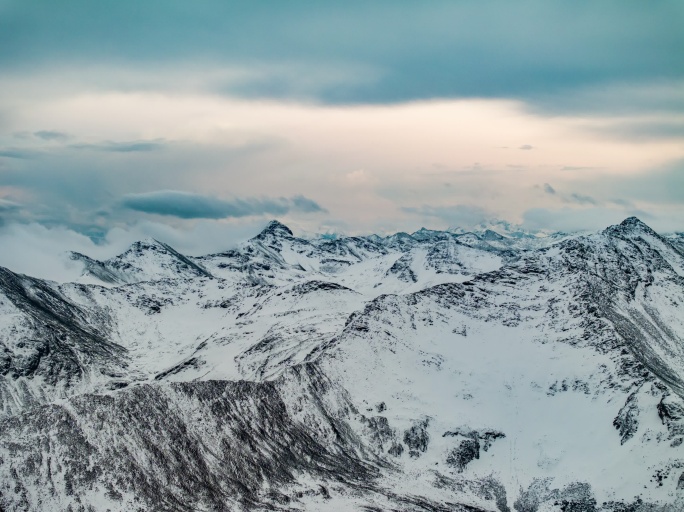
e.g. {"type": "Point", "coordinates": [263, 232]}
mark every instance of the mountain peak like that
{"type": "Point", "coordinates": [489, 235]}
{"type": "Point", "coordinates": [633, 222]}
{"type": "Point", "coordinates": [493, 227]}
{"type": "Point", "coordinates": [426, 234]}
{"type": "Point", "coordinates": [147, 244]}
{"type": "Point", "coordinates": [276, 228]}
{"type": "Point", "coordinates": [631, 225]}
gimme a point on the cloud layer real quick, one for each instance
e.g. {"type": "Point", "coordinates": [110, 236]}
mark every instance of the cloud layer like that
{"type": "Point", "coordinates": [42, 251]}
{"type": "Point", "coordinates": [360, 52]}
{"type": "Point", "coordinates": [355, 116]}
{"type": "Point", "coordinates": [186, 205]}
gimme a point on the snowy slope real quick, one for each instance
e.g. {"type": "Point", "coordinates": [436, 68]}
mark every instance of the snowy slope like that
{"type": "Point", "coordinates": [145, 260]}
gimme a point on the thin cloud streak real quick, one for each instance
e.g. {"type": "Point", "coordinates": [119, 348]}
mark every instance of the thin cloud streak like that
{"type": "Point", "coordinates": [186, 205]}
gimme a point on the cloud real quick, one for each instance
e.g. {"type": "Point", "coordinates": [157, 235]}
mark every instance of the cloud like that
{"type": "Point", "coordinates": [531, 50]}
{"type": "Point", "coordinates": [661, 186]}
{"type": "Point", "coordinates": [51, 135]}
{"type": "Point", "coordinates": [226, 148]}
{"type": "Point", "coordinates": [644, 130]}
{"type": "Point", "coordinates": [8, 206]}
{"type": "Point", "coordinates": [357, 177]}
{"type": "Point", "coordinates": [595, 218]}
{"type": "Point", "coordinates": [649, 95]}
{"type": "Point", "coordinates": [187, 205]}
{"type": "Point", "coordinates": [573, 219]}
{"type": "Point", "coordinates": [9, 211]}
{"type": "Point", "coordinates": [582, 199]}
{"type": "Point", "coordinates": [42, 251]}
{"type": "Point", "coordinates": [18, 153]}
{"type": "Point", "coordinates": [305, 205]}
{"type": "Point", "coordinates": [526, 147]}
{"type": "Point", "coordinates": [124, 147]}
{"type": "Point", "coordinates": [570, 198]}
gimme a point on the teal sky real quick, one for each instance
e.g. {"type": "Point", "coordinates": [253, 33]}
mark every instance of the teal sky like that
{"type": "Point", "coordinates": [187, 118]}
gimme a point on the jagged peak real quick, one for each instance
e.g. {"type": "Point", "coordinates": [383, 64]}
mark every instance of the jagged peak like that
{"type": "Point", "coordinates": [148, 243]}
{"type": "Point", "coordinates": [426, 234]}
{"type": "Point", "coordinates": [400, 235]}
{"type": "Point", "coordinates": [499, 227]}
{"type": "Point", "coordinates": [634, 222]}
{"type": "Point", "coordinates": [488, 234]}
{"type": "Point", "coordinates": [631, 225]}
{"type": "Point", "coordinates": [275, 228]}
{"type": "Point", "coordinates": [78, 256]}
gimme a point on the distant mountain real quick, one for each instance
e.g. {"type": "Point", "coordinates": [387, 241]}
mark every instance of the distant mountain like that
{"type": "Point", "coordinates": [472, 370]}
{"type": "Point", "coordinates": [145, 260]}
{"type": "Point", "coordinates": [498, 227]}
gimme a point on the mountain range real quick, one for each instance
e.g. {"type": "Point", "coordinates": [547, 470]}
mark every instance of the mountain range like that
{"type": "Point", "coordinates": [483, 370]}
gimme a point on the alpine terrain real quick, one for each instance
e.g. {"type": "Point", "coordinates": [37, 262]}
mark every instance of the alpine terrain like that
{"type": "Point", "coordinates": [464, 370]}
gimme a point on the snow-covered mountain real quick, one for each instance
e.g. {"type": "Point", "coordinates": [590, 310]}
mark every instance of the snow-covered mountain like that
{"type": "Point", "coordinates": [468, 370]}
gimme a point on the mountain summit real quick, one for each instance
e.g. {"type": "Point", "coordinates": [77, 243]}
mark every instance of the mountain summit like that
{"type": "Point", "coordinates": [275, 228]}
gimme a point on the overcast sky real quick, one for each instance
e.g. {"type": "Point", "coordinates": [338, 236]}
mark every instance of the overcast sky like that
{"type": "Point", "coordinates": [199, 121]}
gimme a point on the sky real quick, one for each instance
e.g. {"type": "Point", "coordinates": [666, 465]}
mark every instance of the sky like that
{"type": "Point", "coordinates": [197, 122]}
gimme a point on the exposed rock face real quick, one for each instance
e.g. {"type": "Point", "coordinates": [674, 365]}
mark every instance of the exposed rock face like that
{"type": "Point", "coordinates": [207, 445]}
{"type": "Point", "coordinates": [627, 420]}
{"type": "Point", "coordinates": [417, 437]}
{"type": "Point", "coordinates": [469, 442]}
{"type": "Point", "coordinates": [332, 373]}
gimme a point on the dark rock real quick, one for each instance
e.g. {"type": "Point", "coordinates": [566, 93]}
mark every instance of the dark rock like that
{"type": "Point", "coordinates": [627, 420]}
{"type": "Point", "coordinates": [417, 437]}
{"type": "Point", "coordinates": [467, 450]}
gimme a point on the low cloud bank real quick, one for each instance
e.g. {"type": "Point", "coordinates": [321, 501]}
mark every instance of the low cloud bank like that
{"type": "Point", "coordinates": [43, 252]}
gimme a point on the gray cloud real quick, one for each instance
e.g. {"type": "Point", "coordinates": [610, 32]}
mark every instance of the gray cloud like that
{"type": "Point", "coordinates": [69, 186]}
{"type": "Point", "coordinates": [659, 186]}
{"type": "Point", "coordinates": [8, 206]}
{"type": "Point", "coordinates": [124, 147]}
{"type": "Point", "coordinates": [643, 130]}
{"type": "Point", "coordinates": [582, 199]}
{"type": "Point", "coordinates": [41, 251]}
{"type": "Point", "coordinates": [570, 198]}
{"type": "Point", "coordinates": [580, 47]}
{"type": "Point", "coordinates": [526, 147]}
{"type": "Point", "coordinates": [645, 95]}
{"type": "Point", "coordinates": [305, 205]}
{"type": "Point", "coordinates": [18, 153]}
{"type": "Point", "coordinates": [9, 212]}
{"type": "Point", "coordinates": [50, 135]}
{"type": "Point", "coordinates": [186, 205]}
